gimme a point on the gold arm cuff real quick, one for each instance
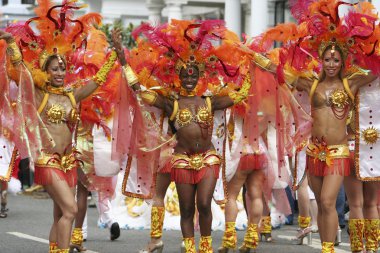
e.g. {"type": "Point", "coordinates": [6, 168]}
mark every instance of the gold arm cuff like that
{"type": "Point", "coordinates": [242, 94]}
{"type": "Point", "coordinates": [149, 96]}
{"type": "Point", "coordinates": [175, 110]}
{"type": "Point", "coordinates": [14, 52]}
{"type": "Point", "coordinates": [290, 78]}
{"type": "Point", "coordinates": [261, 61]}
{"type": "Point", "coordinates": [130, 75]}
{"type": "Point", "coordinates": [101, 76]}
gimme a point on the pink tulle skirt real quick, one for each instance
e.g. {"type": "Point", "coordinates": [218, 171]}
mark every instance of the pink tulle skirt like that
{"type": "Point", "coordinates": [338, 166]}
{"type": "Point", "coordinates": [253, 162]}
{"type": "Point", "coordinates": [46, 175]}
{"type": "Point", "coordinates": [188, 176]}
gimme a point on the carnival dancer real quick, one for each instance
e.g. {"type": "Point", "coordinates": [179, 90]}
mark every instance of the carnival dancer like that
{"type": "Point", "coordinates": [94, 112]}
{"type": "Point", "coordinates": [58, 47]}
{"type": "Point", "coordinates": [8, 156]}
{"type": "Point", "coordinates": [327, 43]}
{"type": "Point", "coordinates": [188, 64]}
{"type": "Point", "coordinates": [362, 198]}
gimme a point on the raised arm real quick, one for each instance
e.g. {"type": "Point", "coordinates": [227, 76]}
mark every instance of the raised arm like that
{"type": "Point", "coordinates": [235, 97]}
{"type": "Point", "coordinates": [150, 97]}
{"type": "Point", "coordinates": [360, 78]}
{"type": "Point", "coordinates": [302, 83]}
{"type": "Point", "coordinates": [15, 56]}
{"type": "Point", "coordinates": [98, 80]}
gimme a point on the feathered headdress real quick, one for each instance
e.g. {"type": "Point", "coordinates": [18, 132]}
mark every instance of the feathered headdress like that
{"type": "Point", "coordinates": [55, 31]}
{"type": "Point", "coordinates": [164, 50]}
{"type": "Point", "coordinates": [320, 27]}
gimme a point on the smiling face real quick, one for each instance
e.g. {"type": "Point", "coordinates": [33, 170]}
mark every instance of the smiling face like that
{"type": "Point", "coordinates": [56, 68]}
{"type": "Point", "coordinates": [332, 62]}
{"type": "Point", "coordinates": [189, 77]}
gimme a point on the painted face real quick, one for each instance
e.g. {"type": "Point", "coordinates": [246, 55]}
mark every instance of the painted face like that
{"type": "Point", "coordinates": [189, 77]}
{"type": "Point", "coordinates": [332, 62]}
{"type": "Point", "coordinates": [57, 72]}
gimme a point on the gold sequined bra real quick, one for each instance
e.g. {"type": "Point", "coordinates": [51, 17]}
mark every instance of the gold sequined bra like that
{"type": "Point", "coordinates": [56, 113]}
{"type": "Point", "coordinates": [184, 117]}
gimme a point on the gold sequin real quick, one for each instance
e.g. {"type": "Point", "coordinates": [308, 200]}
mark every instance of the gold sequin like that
{"type": "Point", "coordinates": [56, 113]}
{"type": "Point", "coordinates": [370, 135]}
{"type": "Point", "coordinates": [339, 98]}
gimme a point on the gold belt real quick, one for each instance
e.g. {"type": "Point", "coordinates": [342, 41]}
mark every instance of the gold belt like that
{"type": "Point", "coordinates": [326, 153]}
{"type": "Point", "coordinates": [196, 161]}
{"type": "Point", "coordinates": [58, 161]}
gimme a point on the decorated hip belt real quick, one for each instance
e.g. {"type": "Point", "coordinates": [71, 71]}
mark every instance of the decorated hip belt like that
{"type": "Point", "coordinates": [196, 161]}
{"type": "Point", "coordinates": [326, 153]}
{"type": "Point", "coordinates": [57, 161]}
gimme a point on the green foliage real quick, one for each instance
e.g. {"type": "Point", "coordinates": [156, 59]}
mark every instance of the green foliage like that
{"type": "Point", "coordinates": [127, 39]}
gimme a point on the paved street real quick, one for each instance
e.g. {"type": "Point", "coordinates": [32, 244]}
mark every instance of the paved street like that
{"type": "Point", "coordinates": [27, 226]}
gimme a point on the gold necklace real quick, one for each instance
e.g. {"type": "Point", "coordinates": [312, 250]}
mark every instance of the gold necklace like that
{"type": "Point", "coordinates": [185, 93]}
{"type": "Point", "coordinates": [55, 90]}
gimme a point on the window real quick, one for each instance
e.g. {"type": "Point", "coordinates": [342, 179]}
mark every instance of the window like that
{"type": "Point", "coordinates": [27, 1]}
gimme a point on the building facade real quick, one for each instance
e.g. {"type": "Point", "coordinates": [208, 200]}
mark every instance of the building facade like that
{"type": "Point", "coordinates": [242, 16]}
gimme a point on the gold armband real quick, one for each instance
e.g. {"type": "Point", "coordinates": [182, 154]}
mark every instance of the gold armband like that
{"type": "Point", "coordinates": [242, 94]}
{"type": "Point", "coordinates": [149, 96]}
{"type": "Point", "coordinates": [130, 75]}
{"type": "Point", "coordinates": [290, 78]}
{"type": "Point", "coordinates": [261, 61]}
{"type": "Point", "coordinates": [101, 76]}
{"type": "Point", "coordinates": [14, 52]}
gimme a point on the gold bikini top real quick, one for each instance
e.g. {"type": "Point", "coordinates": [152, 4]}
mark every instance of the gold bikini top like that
{"type": "Point", "coordinates": [339, 98]}
{"type": "Point", "coordinates": [56, 113]}
{"type": "Point", "coordinates": [184, 117]}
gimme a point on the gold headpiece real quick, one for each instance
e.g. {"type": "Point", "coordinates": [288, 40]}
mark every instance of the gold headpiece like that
{"type": "Point", "coordinates": [334, 45]}
{"type": "Point", "coordinates": [189, 64]}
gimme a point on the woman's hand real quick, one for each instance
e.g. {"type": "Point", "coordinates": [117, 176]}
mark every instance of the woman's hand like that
{"type": "Point", "coordinates": [118, 45]}
{"type": "Point", "coordinates": [6, 36]}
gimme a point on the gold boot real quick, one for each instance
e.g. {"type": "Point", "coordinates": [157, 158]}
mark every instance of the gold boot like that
{"type": "Point", "coordinates": [61, 251]}
{"type": "Point", "coordinates": [266, 229]}
{"type": "Point", "coordinates": [77, 240]}
{"type": "Point", "coordinates": [189, 245]}
{"type": "Point", "coordinates": [356, 227]}
{"type": "Point", "coordinates": [157, 216]}
{"type": "Point", "coordinates": [52, 246]}
{"type": "Point", "coordinates": [371, 230]}
{"type": "Point", "coordinates": [205, 244]}
{"type": "Point", "coordinates": [328, 247]}
{"type": "Point", "coordinates": [229, 238]}
{"type": "Point", "coordinates": [251, 239]}
{"type": "Point", "coordinates": [303, 231]}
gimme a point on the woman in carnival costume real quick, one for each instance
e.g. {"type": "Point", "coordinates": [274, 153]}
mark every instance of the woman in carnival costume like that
{"type": "Point", "coordinates": [57, 59]}
{"type": "Point", "coordinates": [325, 43]}
{"type": "Point", "coordinates": [95, 111]}
{"type": "Point", "coordinates": [181, 57]}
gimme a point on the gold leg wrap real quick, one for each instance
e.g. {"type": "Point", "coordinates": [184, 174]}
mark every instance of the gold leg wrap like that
{"type": "Point", "coordinates": [304, 222]}
{"type": "Point", "coordinates": [157, 221]}
{"type": "Point", "coordinates": [205, 244]}
{"type": "Point", "coordinates": [77, 236]}
{"type": "Point", "coordinates": [189, 245]}
{"type": "Point", "coordinates": [356, 227]}
{"type": "Point", "coordinates": [229, 237]}
{"type": "Point", "coordinates": [328, 247]}
{"type": "Point", "coordinates": [266, 225]}
{"type": "Point", "coordinates": [61, 251]}
{"type": "Point", "coordinates": [371, 230]}
{"type": "Point", "coordinates": [52, 246]}
{"type": "Point", "coordinates": [251, 238]}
